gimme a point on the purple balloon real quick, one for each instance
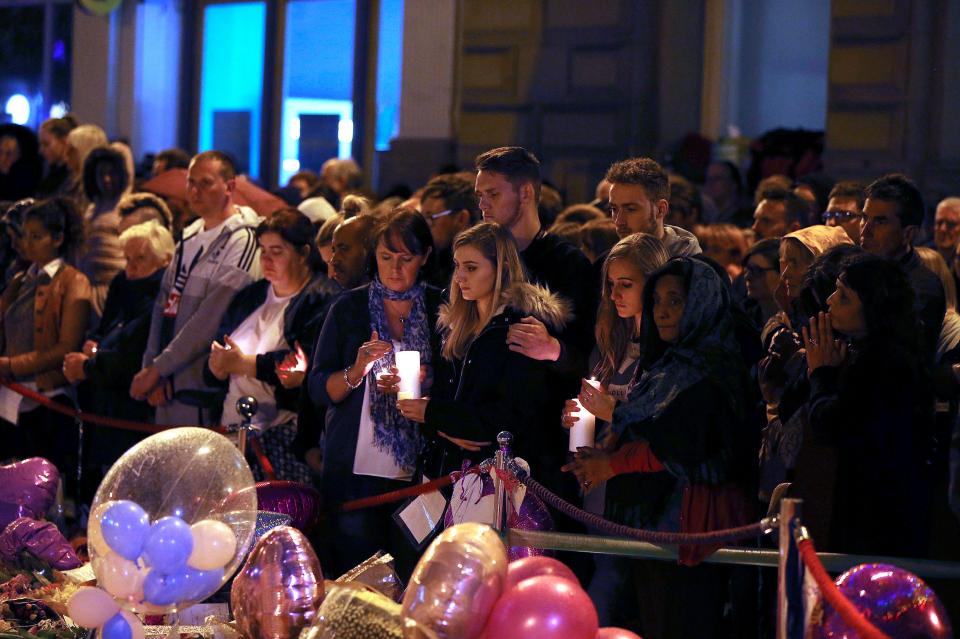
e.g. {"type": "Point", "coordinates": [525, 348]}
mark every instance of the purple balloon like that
{"type": "Point", "coordinates": [895, 601]}
{"type": "Point", "coordinates": [41, 539]}
{"type": "Point", "coordinates": [27, 489]}
{"type": "Point", "coordinates": [532, 515]}
{"type": "Point", "coordinates": [301, 502]}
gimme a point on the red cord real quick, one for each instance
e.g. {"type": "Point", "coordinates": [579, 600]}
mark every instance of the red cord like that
{"type": "Point", "coordinates": [262, 458]}
{"type": "Point", "coordinates": [397, 495]}
{"type": "Point", "coordinates": [848, 612]}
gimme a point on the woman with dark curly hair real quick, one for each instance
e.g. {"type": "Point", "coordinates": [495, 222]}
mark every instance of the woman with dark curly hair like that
{"type": "Point", "coordinates": [44, 311]}
{"type": "Point", "coordinates": [871, 397]}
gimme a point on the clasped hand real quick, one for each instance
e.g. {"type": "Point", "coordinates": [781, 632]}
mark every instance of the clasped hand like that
{"type": "Point", "coordinates": [821, 347]}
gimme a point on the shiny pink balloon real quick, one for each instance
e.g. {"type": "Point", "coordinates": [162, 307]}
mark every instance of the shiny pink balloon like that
{"type": "Point", "coordinates": [545, 607]}
{"type": "Point", "coordinates": [616, 633]}
{"type": "Point", "coordinates": [301, 502]}
{"type": "Point", "coordinates": [27, 489]}
{"type": "Point", "coordinates": [277, 592]}
{"type": "Point", "coordinates": [528, 567]}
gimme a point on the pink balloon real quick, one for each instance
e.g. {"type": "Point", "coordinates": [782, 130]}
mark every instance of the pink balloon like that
{"type": "Point", "coordinates": [544, 607]}
{"type": "Point", "coordinates": [536, 566]}
{"type": "Point", "coordinates": [616, 633]}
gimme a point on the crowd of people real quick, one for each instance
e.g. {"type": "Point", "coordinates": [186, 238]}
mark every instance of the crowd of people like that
{"type": "Point", "coordinates": [728, 342]}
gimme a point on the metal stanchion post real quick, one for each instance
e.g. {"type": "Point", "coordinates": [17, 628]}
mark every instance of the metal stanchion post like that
{"type": "Point", "coordinates": [501, 459]}
{"type": "Point", "coordinates": [247, 407]}
{"type": "Point", "coordinates": [789, 512]}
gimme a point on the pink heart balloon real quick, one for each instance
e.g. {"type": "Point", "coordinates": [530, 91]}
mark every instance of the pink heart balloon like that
{"type": "Point", "coordinates": [277, 592]}
{"type": "Point", "coordinates": [616, 633]}
{"type": "Point", "coordinates": [544, 607]}
{"type": "Point", "coordinates": [528, 567]}
{"type": "Point", "coordinates": [27, 489]}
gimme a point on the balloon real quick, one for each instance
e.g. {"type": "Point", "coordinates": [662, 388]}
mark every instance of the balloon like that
{"type": "Point", "coordinates": [213, 545]}
{"type": "Point", "coordinates": [544, 607]}
{"type": "Point", "coordinates": [457, 581]}
{"type": "Point", "coordinates": [124, 526]}
{"type": "Point", "coordinates": [897, 602]}
{"type": "Point", "coordinates": [169, 544]}
{"type": "Point", "coordinates": [277, 592]}
{"type": "Point", "coordinates": [27, 489]}
{"type": "Point", "coordinates": [91, 607]}
{"type": "Point", "coordinates": [41, 539]}
{"type": "Point", "coordinates": [301, 502]}
{"type": "Point", "coordinates": [116, 628]}
{"type": "Point", "coordinates": [179, 477]}
{"type": "Point", "coordinates": [186, 584]}
{"type": "Point", "coordinates": [120, 577]}
{"type": "Point", "coordinates": [528, 567]}
{"type": "Point", "coordinates": [136, 628]}
{"type": "Point", "coordinates": [616, 633]}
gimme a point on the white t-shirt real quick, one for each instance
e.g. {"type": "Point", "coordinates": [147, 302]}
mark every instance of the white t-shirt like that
{"type": "Point", "coordinates": [261, 332]}
{"type": "Point", "coordinates": [370, 458]}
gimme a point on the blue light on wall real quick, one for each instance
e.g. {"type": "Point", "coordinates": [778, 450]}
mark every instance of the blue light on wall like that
{"type": "Point", "coordinates": [232, 78]}
{"type": "Point", "coordinates": [389, 72]}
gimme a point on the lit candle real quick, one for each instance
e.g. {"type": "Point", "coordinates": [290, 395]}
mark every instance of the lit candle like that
{"type": "Point", "coordinates": [408, 363]}
{"type": "Point", "coordinates": [584, 429]}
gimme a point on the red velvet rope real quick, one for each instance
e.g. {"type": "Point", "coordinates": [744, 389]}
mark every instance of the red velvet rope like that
{"type": "Point", "coordinates": [397, 495]}
{"type": "Point", "coordinates": [848, 612]}
{"type": "Point", "coordinates": [123, 424]}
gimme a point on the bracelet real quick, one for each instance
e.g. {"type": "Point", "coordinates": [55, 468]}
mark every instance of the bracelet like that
{"type": "Point", "coordinates": [346, 380]}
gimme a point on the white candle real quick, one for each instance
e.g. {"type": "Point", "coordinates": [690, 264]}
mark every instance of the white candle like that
{"type": "Point", "coordinates": [408, 363]}
{"type": "Point", "coordinates": [583, 431]}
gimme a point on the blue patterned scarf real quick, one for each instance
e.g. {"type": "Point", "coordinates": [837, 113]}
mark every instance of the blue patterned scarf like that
{"type": "Point", "coordinates": [391, 430]}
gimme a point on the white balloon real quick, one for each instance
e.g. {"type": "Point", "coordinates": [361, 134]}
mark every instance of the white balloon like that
{"type": "Point", "coordinates": [91, 607]}
{"type": "Point", "coordinates": [120, 577]}
{"type": "Point", "coordinates": [214, 545]}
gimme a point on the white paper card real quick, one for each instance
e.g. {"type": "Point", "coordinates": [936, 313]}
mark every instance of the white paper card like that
{"type": "Point", "coordinates": [10, 404]}
{"type": "Point", "coordinates": [423, 514]}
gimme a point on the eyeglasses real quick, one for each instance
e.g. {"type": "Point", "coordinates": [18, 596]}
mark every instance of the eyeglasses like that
{"type": "Point", "coordinates": [433, 217]}
{"type": "Point", "coordinates": [757, 271]}
{"type": "Point", "coordinates": [841, 216]}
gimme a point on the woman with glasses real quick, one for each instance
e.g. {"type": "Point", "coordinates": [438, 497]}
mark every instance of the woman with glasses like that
{"type": "Point", "coordinates": [761, 274]}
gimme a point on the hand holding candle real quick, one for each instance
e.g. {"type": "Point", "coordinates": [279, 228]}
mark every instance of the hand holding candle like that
{"type": "Point", "coordinates": [593, 398]}
{"type": "Point", "coordinates": [292, 370]}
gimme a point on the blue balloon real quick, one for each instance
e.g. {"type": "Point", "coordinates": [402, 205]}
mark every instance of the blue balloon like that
{"type": "Point", "coordinates": [204, 583]}
{"type": "Point", "coordinates": [116, 627]}
{"type": "Point", "coordinates": [168, 545]}
{"type": "Point", "coordinates": [184, 585]}
{"type": "Point", "coordinates": [125, 526]}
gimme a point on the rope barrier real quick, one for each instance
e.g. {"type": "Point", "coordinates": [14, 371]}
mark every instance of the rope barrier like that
{"type": "Point", "coordinates": [848, 612]}
{"type": "Point", "coordinates": [715, 537]}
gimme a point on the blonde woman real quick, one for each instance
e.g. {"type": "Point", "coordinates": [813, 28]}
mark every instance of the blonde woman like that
{"type": "Point", "coordinates": [483, 387]}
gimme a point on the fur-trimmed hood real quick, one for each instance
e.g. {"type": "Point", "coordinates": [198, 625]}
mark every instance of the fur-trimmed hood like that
{"type": "Point", "coordinates": [526, 299]}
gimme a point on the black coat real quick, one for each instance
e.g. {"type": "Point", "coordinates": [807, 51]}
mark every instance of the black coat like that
{"type": "Point", "coordinates": [345, 329]}
{"type": "Point", "coordinates": [492, 389]}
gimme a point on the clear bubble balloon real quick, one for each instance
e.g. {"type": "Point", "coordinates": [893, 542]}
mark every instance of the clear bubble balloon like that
{"type": "Point", "coordinates": [180, 478]}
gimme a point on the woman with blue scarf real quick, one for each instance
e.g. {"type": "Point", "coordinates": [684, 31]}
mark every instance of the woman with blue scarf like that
{"type": "Point", "coordinates": [370, 448]}
{"type": "Point", "coordinates": [686, 457]}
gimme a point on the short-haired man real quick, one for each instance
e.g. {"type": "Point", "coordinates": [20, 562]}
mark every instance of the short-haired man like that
{"type": "Point", "coordinates": [170, 159]}
{"type": "Point", "coordinates": [449, 205]}
{"type": "Point", "coordinates": [350, 250]}
{"type": "Point", "coordinates": [845, 208]}
{"type": "Point", "coordinates": [508, 189]}
{"type": "Point", "coordinates": [341, 178]}
{"type": "Point", "coordinates": [946, 228]}
{"type": "Point", "coordinates": [639, 201]}
{"type": "Point", "coordinates": [892, 215]}
{"type": "Point", "coordinates": [217, 257]}
{"type": "Point", "coordinates": [779, 212]}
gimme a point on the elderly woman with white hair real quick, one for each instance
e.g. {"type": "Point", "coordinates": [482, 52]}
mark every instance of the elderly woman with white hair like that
{"type": "Point", "coordinates": [112, 353]}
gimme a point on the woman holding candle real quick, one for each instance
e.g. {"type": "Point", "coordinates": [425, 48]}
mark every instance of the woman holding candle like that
{"type": "Point", "coordinates": [262, 332]}
{"type": "Point", "coordinates": [370, 447]}
{"type": "Point", "coordinates": [615, 359]}
{"type": "Point", "coordinates": [687, 456]}
{"type": "Point", "coordinates": [482, 386]}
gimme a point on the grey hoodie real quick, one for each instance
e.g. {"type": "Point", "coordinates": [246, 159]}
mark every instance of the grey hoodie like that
{"type": "Point", "coordinates": [680, 242]}
{"type": "Point", "coordinates": [230, 263]}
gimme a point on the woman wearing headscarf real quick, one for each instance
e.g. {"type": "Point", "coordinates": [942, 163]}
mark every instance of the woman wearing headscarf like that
{"type": "Point", "coordinates": [686, 454]}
